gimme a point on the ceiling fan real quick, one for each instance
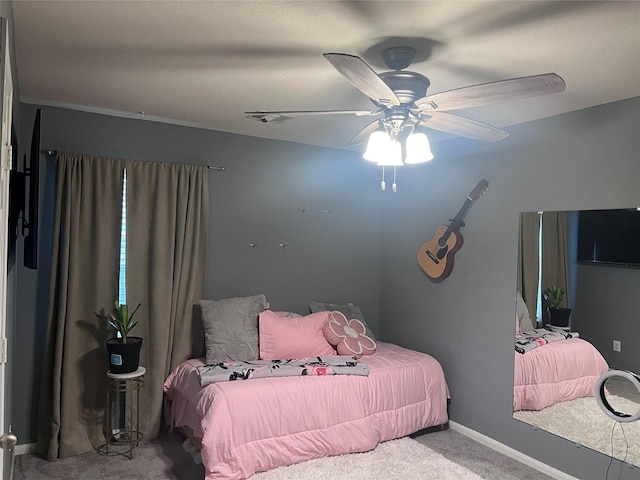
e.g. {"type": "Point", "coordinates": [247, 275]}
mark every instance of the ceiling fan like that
{"type": "Point", "coordinates": [401, 97]}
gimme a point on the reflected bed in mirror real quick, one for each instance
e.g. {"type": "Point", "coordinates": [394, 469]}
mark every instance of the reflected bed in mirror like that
{"type": "Point", "coordinates": [604, 302]}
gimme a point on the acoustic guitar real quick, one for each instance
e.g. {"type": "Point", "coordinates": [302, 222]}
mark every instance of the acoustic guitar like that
{"type": "Point", "coordinates": [435, 257]}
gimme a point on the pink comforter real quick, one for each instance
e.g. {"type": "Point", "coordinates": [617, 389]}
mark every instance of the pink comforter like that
{"type": "Point", "coordinates": [255, 425]}
{"type": "Point", "coordinates": [556, 372]}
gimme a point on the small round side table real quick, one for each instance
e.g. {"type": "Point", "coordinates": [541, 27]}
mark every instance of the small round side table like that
{"type": "Point", "coordinates": [129, 384]}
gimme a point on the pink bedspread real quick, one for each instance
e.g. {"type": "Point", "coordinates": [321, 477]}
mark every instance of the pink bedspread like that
{"type": "Point", "coordinates": [255, 425]}
{"type": "Point", "coordinates": [556, 372]}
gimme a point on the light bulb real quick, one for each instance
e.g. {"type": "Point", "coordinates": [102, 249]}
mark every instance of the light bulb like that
{"type": "Point", "coordinates": [376, 146]}
{"type": "Point", "coordinates": [383, 150]}
{"type": "Point", "coordinates": [418, 149]}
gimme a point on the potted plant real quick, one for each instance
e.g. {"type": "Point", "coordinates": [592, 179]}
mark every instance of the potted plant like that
{"type": "Point", "coordinates": [123, 349]}
{"type": "Point", "coordinates": [558, 316]}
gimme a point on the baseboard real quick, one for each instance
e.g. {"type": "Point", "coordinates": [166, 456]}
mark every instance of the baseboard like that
{"type": "Point", "coordinates": [510, 452]}
{"type": "Point", "coordinates": [24, 449]}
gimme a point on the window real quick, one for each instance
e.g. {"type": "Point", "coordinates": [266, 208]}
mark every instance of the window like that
{"type": "Point", "coordinates": [122, 279]}
{"type": "Point", "coordinates": [539, 297]}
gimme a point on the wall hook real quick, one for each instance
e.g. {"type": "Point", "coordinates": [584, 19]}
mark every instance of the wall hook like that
{"type": "Point", "coordinates": [253, 245]}
{"type": "Point", "coordinates": [283, 246]}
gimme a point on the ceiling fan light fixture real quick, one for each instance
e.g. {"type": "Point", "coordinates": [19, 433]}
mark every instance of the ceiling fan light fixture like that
{"type": "Point", "coordinates": [394, 157]}
{"type": "Point", "coordinates": [418, 149]}
{"type": "Point", "coordinates": [383, 150]}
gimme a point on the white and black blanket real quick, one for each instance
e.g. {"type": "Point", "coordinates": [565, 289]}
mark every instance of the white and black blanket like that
{"type": "Point", "coordinates": [227, 371]}
{"type": "Point", "coordinates": [531, 339]}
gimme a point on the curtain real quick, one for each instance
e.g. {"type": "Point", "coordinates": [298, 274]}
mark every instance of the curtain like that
{"type": "Point", "coordinates": [166, 248]}
{"type": "Point", "coordinates": [167, 209]}
{"type": "Point", "coordinates": [528, 260]}
{"type": "Point", "coordinates": [84, 279]}
{"type": "Point", "coordinates": [555, 258]}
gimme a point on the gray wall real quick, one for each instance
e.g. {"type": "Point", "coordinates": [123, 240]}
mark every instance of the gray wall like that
{"type": "Point", "coordinates": [367, 247]}
{"type": "Point", "coordinates": [584, 160]}
{"type": "Point", "coordinates": [606, 309]}
{"type": "Point", "coordinates": [332, 257]}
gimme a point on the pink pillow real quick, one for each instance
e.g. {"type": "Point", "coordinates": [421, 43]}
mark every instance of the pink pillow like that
{"type": "Point", "coordinates": [348, 336]}
{"type": "Point", "coordinates": [300, 337]}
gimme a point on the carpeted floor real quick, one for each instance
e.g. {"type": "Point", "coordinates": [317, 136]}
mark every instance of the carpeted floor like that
{"type": "Point", "coordinates": [583, 422]}
{"type": "Point", "coordinates": [482, 460]}
{"type": "Point", "coordinates": [393, 460]}
{"type": "Point", "coordinates": [165, 459]}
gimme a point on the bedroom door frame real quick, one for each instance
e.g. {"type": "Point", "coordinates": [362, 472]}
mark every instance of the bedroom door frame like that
{"type": "Point", "coordinates": [6, 84]}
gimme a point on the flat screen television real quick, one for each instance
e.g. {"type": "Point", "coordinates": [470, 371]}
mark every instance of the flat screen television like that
{"type": "Point", "coordinates": [609, 236]}
{"type": "Point", "coordinates": [16, 198]}
{"type": "Point", "coordinates": [31, 223]}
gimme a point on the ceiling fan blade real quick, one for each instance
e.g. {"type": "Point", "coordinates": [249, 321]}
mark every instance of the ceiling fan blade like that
{"type": "Point", "coordinates": [464, 127]}
{"type": "Point", "coordinates": [363, 77]}
{"type": "Point", "coordinates": [282, 115]}
{"type": "Point", "coordinates": [486, 93]}
{"type": "Point", "coordinates": [363, 134]}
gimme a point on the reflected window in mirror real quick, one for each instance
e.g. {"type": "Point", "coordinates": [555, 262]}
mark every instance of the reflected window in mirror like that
{"type": "Point", "coordinates": [543, 260]}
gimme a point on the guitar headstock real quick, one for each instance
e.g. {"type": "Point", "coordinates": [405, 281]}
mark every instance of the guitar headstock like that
{"type": "Point", "coordinates": [479, 190]}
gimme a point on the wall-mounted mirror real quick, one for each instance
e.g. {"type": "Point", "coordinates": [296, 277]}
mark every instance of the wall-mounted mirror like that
{"type": "Point", "coordinates": [594, 256]}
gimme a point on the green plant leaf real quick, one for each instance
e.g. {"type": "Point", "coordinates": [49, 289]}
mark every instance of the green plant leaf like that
{"type": "Point", "coordinates": [120, 319]}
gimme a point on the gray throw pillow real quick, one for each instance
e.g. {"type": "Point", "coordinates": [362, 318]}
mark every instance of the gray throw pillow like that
{"type": "Point", "coordinates": [231, 328]}
{"type": "Point", "coordinates": [349, 311]}
{"type": "Point", "coordinates": [522, 312]}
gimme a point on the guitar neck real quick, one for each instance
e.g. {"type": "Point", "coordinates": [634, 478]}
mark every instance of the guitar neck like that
{"type": "Point", "coordinates": [456, 223]}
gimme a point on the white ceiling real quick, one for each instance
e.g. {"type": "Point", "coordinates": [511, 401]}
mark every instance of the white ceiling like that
{"type": "Point", "coordinates": [203, 63]}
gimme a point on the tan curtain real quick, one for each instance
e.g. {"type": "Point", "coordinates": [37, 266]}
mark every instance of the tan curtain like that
{"type": "Point", "coordinates": [555, 252]}
{"type": "Point", "coordinates": [166, 248]}
{"type": "Point", "coordinates": [529, 260]}
{"type": "Point", "coordinates": [84, 279]}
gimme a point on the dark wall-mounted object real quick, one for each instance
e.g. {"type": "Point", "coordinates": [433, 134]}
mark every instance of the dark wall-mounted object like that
{"type": "Point", "coordinates": [16, 197]}
{"type": "Point", "coordinates": [30, 225]}
{"type": "Point", "coordinates": [609, 236]}
{"type": "Point", "coordinates": [19, 220]}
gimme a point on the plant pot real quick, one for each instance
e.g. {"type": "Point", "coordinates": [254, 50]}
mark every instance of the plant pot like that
{"type": "Point", "coordinates": [559, 316]}
{"type": "Point", "coordinates": [124, 357]}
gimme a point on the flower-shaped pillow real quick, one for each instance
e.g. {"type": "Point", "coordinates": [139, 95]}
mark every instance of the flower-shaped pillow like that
{"type": "Point", "coordinates": [348, 336]}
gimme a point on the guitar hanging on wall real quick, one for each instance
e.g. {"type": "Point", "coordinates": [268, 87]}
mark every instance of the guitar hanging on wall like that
{"type": "Point", "coordinates": [435, 257]}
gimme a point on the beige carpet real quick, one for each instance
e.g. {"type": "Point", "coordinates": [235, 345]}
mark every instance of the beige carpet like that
{"type": "Point", "coordinates": [400, 459]}
{"type": "Point", "coordinates": [164, 458]}
{"type": "Point", "coordinates": [582, 421]}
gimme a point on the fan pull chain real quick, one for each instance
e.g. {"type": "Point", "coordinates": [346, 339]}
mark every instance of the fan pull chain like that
{"type": "Point", "coordinates": [382, 184]}
{"type": "Point", "coordinates": [393, 186]}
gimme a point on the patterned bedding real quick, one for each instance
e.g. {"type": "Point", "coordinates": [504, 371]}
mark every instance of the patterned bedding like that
{"type": "Point", "coordinates": [233, 371]}
{"type": "Point", "coordinates": [263, 423]}
{"type": "Point", "coordinates": [527, 341]}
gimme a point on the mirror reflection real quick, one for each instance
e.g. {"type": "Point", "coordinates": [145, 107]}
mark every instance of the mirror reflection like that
{"type": "Point", "coordinates": [586, 263]}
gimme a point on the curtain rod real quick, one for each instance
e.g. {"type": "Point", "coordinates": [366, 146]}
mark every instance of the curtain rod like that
{"type": "Point", "coordinates": [210, 167]}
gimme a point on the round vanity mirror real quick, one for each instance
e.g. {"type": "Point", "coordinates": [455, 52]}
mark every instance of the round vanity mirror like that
{"type": "Point", "coordinates": [618, 395]}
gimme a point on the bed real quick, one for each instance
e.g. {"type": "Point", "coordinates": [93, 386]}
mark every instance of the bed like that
{"type": "Point", "coordinates": [258, 424]}
{"type": "Point", "coordinates": [551, 364]}
{"type": "Point", "coordinates": [555, 372]}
